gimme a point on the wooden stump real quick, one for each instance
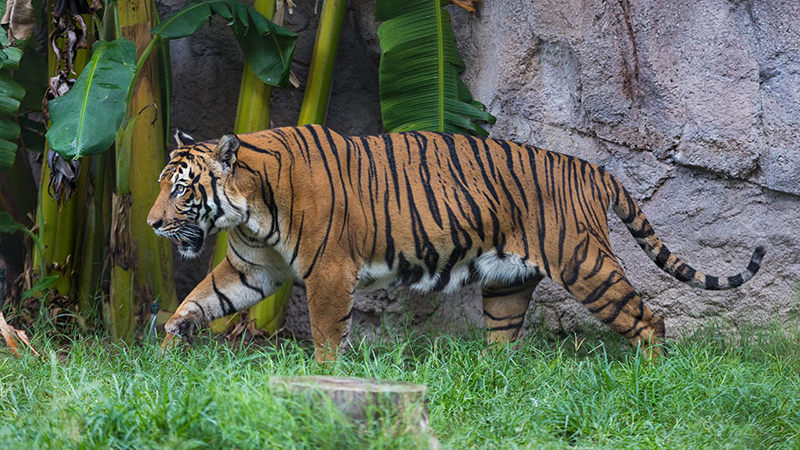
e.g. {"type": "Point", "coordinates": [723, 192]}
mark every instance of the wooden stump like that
{"type": "Point", "coordinates": [405, 405]}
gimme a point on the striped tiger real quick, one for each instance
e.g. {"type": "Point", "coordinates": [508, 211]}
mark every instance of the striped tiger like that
{"type": "Point", "coordinates": [430, 211]}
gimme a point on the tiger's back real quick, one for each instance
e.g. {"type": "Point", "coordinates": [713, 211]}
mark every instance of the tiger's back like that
{"type": "Point", "coordinates": [435, 211]}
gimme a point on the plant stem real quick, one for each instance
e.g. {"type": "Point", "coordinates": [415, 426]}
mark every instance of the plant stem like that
{"type": "Point", "coordinates": [140, 158]}
{"type": "Point", "coordinates": [57, 226]}
{"type": "Point", "coordinates": [320, 78]}
{"type": "Point", "coordinates": [252, 114]}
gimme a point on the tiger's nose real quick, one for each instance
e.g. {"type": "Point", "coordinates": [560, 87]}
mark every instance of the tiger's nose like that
{"type": "Point", "coordinates": [155, 223]}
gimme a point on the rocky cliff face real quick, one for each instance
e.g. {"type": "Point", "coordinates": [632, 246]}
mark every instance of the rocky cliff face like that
{"type": "Point", "coordinates": [693, 104]}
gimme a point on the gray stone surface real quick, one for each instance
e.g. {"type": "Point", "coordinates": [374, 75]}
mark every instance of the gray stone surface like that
{"type": "Point", "coordinates": [693, 104]}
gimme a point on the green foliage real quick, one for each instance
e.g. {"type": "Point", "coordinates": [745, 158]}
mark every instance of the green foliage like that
{"type": "Point", "coordinates": [712, 391]}
{"type": "Point", "coordinates": [11, 95]}
{"type": "Point", "coordinates": [9, 225]}
{"type": "Point", "coordinates": [41, 285]}
{"type": "Point", "coordinates": [420, 86]}
{"type": "Point", "coordinates": [86, 119]}
{"type": "Point", "coordinates": [267, 47]}
{"type": "Point", "coordinates": [32, 75]}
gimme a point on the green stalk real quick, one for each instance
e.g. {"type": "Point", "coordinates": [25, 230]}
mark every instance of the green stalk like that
{"type": "Point", "coordinates": [320, 78]}
{"type": "Point", "coordinates": [252, 114]}
{"type": "Point", "coordinates": [58, 226]}
{"type": "Point", "coordinates": [95, 238]}
{"type": "Point", "coordinates": [269, 314]}
{"type": "Point", "coordinates": [122, 313]}
{"type": "Point", "coordinates": [145, 261]}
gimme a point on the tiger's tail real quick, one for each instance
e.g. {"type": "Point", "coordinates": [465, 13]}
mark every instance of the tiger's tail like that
{"type": "Point", "coordinates": [633, 217]}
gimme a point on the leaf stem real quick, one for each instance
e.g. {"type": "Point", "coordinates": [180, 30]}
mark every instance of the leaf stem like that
{"type": "Point", "coordinates": [139, 65]}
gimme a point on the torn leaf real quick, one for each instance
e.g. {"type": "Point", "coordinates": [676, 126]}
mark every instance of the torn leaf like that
{"type": "Point", "coordinates": [19, 19]}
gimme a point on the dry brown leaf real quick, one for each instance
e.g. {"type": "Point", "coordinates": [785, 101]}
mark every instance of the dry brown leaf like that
{"type": "Point", "coordinates": [19, 19]}
{"type": "Point", "coordinates": [293, 80]}
{"type": "Point", "coordinates": [8, 335]}
{"type": "Point", "coordinates": [11, 335]}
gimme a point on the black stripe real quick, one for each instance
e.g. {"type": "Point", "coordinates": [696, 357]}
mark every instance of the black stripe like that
{"type": "Point", "coordinates": [324, 243]}
{"type": "Point", "coordinates": [540, 201]}
{"type": "Point", "coordinates": [644, 231]}
{"type": "Point", "coordinates": [243, 280]}
{"type": "Point", "coordinates": [511, 326]}
{"type": "Point", "coordinates": [202, 310]}
{"type": "Point", "coordinates": [239, 255]}
{"type": "Point", "coordinates": [684, 273]}
{"type": "Point", "coordinates": [663, 255]}
{"type": "Point", "coordinates": [299, 236]}
{"type": "Point", "coordinates": [503, 293]}
{"type": "Point", "coordinates": [347, 317]}
{"type": "Point", "coordinates": [712, 283]}
{"type": "Point", "coordinates": [620, 305]}
{"type": "Point", "coordinates": [226, 305]}
{"type": "Point", "coordinates": [735, 281]}
{"type": "Point", "coordinates": [485, 313]}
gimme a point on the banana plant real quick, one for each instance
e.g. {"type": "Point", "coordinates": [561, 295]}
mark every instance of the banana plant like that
{"type": "Point", "coordinates": [111, 102]}
{"type": "Point", "coordinates": [100, 106]}
{"type": "Point", "coordinates": [11, 92]}
{"type": "Point", "coordinates": [419, 75]}
{"type": "Point", "coordinates": [252, 114]}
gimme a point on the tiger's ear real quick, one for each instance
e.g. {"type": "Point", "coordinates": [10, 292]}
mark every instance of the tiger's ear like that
{"type": "Point", "coordinates": [182, 139]}
{"type": "Point", "coordinates": [225, 152]}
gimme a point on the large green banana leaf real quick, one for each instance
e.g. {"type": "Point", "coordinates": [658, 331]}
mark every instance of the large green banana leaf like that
{"type": "Point", "coordinates": [267, 47]}
{"type": "Point", "coordinates": [420, 86]}
{"type": "Point", "coordinates": [86, 119]}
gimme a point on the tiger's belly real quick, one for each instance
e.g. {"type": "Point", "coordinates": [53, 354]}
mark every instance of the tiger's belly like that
{"type": "Point", "coordinates": [488, 268]}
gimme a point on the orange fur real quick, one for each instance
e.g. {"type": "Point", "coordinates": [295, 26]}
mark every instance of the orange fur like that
{"type": "Point", "coordinates": [427, 210]}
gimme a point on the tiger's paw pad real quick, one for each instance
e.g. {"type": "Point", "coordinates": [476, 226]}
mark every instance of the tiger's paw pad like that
{"type": "Point", "coordinates": [184, 324]}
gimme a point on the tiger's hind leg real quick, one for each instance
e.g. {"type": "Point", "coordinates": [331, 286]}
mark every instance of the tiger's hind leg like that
{"type": "Point", "coordinates": [601, 285]}
{"type": "Point", "coordinates": [504, 309]}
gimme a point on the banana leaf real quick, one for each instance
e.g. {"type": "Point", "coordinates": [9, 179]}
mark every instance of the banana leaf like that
{"type": "Point", "coordinates": [11, 94]}
{"type": "Point", "coordinates": [86, 119]}
{"type": "Point", "coordinates": [32, 75]}
{"type": "Point", "coordinates": [420, 86]}
{"type": "Point", "coordinates": [267, 47]}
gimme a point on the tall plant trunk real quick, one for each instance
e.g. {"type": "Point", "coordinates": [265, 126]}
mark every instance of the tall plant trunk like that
{"type": "Point", "coordinates": [252, 114]}
{"type": "Point", "coordinates": [58, 225]}
{"type": "Point", "coordinates": [144, 258]}
{"type": "Point", "coordinates": [320, 77]}
{"type": "Point", "coordinates": [95, 236]}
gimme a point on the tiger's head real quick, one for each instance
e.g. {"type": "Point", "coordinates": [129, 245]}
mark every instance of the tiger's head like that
{"type": "Point", "coordinates": [196, 199]}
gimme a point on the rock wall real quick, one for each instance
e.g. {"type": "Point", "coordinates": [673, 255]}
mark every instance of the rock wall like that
{"type": "Point", "coordinates": [693, 104]}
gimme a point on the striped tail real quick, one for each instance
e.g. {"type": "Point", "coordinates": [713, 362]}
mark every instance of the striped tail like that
{"type": "Point", "coordinates": [633, 217]}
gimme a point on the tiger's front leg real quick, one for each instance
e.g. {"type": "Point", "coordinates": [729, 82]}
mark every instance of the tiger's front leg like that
{"type": "Point", "coordinates": [226, 290]}
{"type": "Point", "coordinates": [330, 300]}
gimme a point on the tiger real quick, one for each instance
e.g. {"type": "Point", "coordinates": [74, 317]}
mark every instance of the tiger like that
{"type": "Point", "coordinates": [425, 210]}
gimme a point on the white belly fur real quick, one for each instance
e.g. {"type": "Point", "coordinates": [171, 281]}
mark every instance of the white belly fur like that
{"type": "Point", "coordinates": [492, 270]}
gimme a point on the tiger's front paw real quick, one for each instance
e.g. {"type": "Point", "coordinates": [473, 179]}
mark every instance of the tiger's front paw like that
{"type": "Point", "coordinates": [185, 322]}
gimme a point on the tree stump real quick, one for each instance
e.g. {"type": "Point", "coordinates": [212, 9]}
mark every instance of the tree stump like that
{"type": "Point", "coordinates": [403, 405]}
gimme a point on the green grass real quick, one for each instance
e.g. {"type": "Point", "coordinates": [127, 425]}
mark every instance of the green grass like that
{"type": "Point", "coordinates": [712, 391]}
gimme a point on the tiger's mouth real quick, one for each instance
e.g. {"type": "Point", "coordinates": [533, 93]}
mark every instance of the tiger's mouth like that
{"type": "Point", "coordinates": [189, 240]}
{"type": "Point", "coordinates": [189, 246]}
